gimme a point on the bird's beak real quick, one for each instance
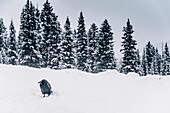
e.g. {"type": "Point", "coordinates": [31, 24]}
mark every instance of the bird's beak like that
{"type": "Point", "coordinates": [39, 82]}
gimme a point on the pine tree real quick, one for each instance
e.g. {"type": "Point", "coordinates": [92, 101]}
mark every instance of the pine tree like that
{"type": "Point", "coordinates": [35, 34]}
{"type": "Point", "coordinates": [106, 58]}
{"type": "Point", "coordinates": [46, 14]}
{"type": "Point", "coordinates": [166, 61]}
{"type": "Point", "coordinates": [150, 51]}
{"type": "Point", "coordinates": [81, 44]}
{"type": "Point", "coordinates": [167, 50]}
{"type": "Point", "coordinates": [67, 46]}
{"type": "Point", "coordinates": [37, 20]}
{"type": "Point", "coordinates": [75, 47]}
{"type": "Point", "coordinates": [143, 65]}
{"type": "Point", "coordinates": [92, 49]}
{"type": "Point", "coordinates": [128, 50]}
{"type": "Point", "coordinates": [23, 32]}
{"type": "Point", "coordinates": [38, 28]}
{"type": "Point", "coordinates": [167, 58]}
{"type": "Point", "coordinates": [55, 48]}
{"type": "Point", "coordinates": [12, 45]}
{"type": "Point", "coordinates": [29, 51]}
{"type": "Point", "coordinates": [157, 63]}
{"type": "Point", "coordinates": [138, 62]}
{"type": "Point", "coordinates": [51, 37]}
{"type": "Point", "coordinates": [3, 43]}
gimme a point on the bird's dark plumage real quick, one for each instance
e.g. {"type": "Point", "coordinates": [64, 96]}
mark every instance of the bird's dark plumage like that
{"type": "Point", "coordinates": [45, 87]}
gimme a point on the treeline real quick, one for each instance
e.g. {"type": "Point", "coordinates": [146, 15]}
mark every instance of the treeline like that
{"type": "Point", "coordinates": [42, 43]}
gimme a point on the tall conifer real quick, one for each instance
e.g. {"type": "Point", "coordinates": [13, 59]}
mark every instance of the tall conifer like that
{"type": "Point", "coordinates": [67, 46]}
{"type": "Point", "coordinates": [81, 50]}
{"type": "Point", "coordinates": [128, 50]}
{"type": "Point", "coordinates": [51, 37]}
{"type": "Point", "coordinates": [12, 45]}
{"type": "Point", "coordinates": [92, 48]}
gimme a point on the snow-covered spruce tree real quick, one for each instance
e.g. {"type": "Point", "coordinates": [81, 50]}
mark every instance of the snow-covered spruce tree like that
{"type": "Point", "coordinates": [128, 50]}
{"type": "Point", "coordinates": [55, 44]}
{"type": "Point", "coordinates": [46, 15]}
{"type": "Point", "coordinates": [3, 43]}
{"type": "Point", "coordinates": [38, 29]}
{"type": "Point", "coordinates": [143, 64]}
{"type": "Point", "coordinates": [81, 44]}
{"type": "Point", "coordinates": [154, 64]}
{"type": "Point", "coordinates": [67, 52]}
{"type": "Point", "coordinates": [29, 54]}
{"type": "Point", "coordinates": [51, 37]}
{"type": "Point", "coordinates": [166, 61]}
{"type": "Point", "coordinates": [106, 59]}
{"type": "Point", "coordinates": [23, 31]}
{"type": "Point", "coordinates": [75, 47]}
{"type": "Point", "coordinates": [92, 49]}
{"type": "Point", "coordinates": [157, 63]}
{"type": "Point", "coordinates": [12, 45]}
{"type": "Point", "coordinates": [36, 37]}
{"type": "Point", "coordinates": [167, 50]}
{"type": "Point", "coordinates": [167, 54]}
{"type": "Point", "coordinates": [138, 62]}
{"type": "Point", "coordinates": [150, 52]}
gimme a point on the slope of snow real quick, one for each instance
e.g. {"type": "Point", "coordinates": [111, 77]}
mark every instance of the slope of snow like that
{"type": "Point", "coordinates": [80, 92]}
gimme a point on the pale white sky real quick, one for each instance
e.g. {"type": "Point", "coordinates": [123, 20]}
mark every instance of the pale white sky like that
{"type": "Point", "coordinates": [150, 18]}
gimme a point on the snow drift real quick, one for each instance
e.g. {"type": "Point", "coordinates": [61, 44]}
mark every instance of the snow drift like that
{"type": "Point", "coordinates": [79, 92]}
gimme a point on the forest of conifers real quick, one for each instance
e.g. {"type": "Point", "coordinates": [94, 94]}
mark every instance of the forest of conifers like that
{"type": "Point", "coordinates": [42, 43]}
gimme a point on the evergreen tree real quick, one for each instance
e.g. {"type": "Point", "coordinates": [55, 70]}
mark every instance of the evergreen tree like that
{"type": "Point", "coordinates": [81, 44]}
{"type": "Point", "coordinates": [157, 63]}
{"type": "Point", "coordinates": [12, 45]}
{"type": "Point", "coordinates": [46, 15]}
{"type": "Point", "coordinates": [150, 51]}
{"type": "Point", "coordinates": [128, 50]}
{"type": "Point", "coordinates": [29, 52]}
{"type": "Point", "coordinates": [55, 42]}
{"type": "Point", "coordinates": [167, 50]}
{"type": "Point", "coordinates": [35, 34]}
{"type": "Point", "coordinates": [24, 28]}
{"type": "Point", "coordinates": [38, 28]}
{"type": "Point", "coordinates": [3, 43]}
{"type": "Point", "coordinates": [166, 60]}
{"type": "Point", "coordinates": [92, 49]}
{"type": "Point", "coordinates": [37, 20]}
{"type": "Point", "coordinates": [51, 37]}
{"type": "Point", "coordinates": [67, 46]}
{"type": "Point", "coordinates": [106, 59]}
{"type": "Point", "coordinates": [138, 62]}
{"type": "Point", "coordinates": [75, 47]}
{"type": "Point", "coordinates": [143, 65]}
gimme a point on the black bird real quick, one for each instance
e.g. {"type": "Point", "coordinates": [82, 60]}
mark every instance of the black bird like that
{"type": "Point", "coordinates": [45, 87]}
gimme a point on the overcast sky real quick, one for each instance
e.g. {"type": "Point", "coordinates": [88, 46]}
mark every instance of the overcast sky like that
{"type": "Point", "coordinates": [150, 18]}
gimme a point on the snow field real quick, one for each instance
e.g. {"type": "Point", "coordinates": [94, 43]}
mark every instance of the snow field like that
{"type": "Point", "coordinates": [79, 92]}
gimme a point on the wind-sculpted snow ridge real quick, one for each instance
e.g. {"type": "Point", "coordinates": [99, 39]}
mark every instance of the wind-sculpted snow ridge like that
{"type": "Point", "coordinates": [79, 92]}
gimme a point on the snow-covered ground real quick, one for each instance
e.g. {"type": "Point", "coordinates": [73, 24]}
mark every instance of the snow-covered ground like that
{"type": "Point", "coordinates": [80, 92]}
